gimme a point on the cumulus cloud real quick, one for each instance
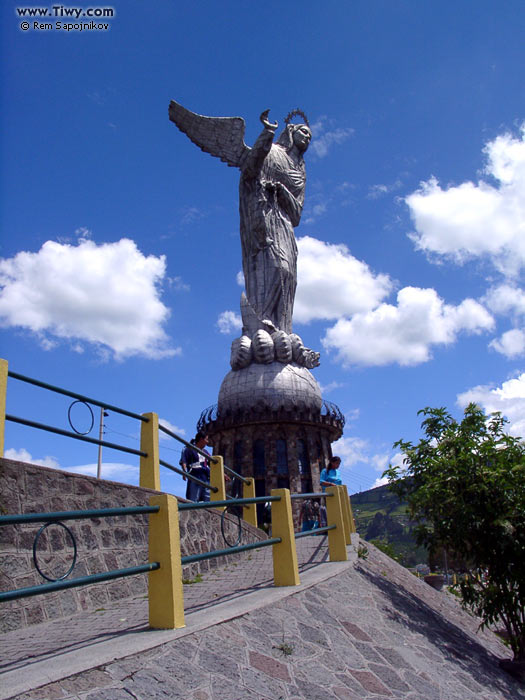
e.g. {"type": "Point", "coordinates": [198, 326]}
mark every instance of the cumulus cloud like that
{"type": "Point", "coordinates": [106, 295]}
{"type": "Point", "coordinates": [405, 333]}
{"type": "Point", "coordinates": [22, 455]}
{"type": "Point", "coordinates": [332, 283]}
{"type": "Point", "coordinates": [477, 219]}
{"type": "Point", "coordinates": [325, 134]}
{"type": "Point", "coordinates": [508, 399]}
{"type": "Point", "coordinates": [331, 386]}
{"type": "Point", "coordinates": [229, 322]}
{"type": "Point", "coordinates": [170, 426]}
{"type": "Point", "coordinates": [377, 191]}
{"type": "Point", "coordinates": [506, 299]}
{"type": "Point", "coordinates": [351, 450]}
{"type": "Point", "coordinates": [511, 343]}
{"type": "Point", "coordinates": [112, 471]}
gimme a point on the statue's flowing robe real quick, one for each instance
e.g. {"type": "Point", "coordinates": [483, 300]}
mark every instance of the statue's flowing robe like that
{"type": "Point", "coordinates": [268, 219]}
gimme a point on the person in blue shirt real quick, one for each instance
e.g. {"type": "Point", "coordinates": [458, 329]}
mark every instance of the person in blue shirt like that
{"type": "Point", "coordinates": [197, 465]}
{"type": "Point", "coordinates": [330, 475]}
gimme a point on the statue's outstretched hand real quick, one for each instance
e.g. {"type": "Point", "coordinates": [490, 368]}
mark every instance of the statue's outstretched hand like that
{"type": "Point", "coordinates": [271, 126]}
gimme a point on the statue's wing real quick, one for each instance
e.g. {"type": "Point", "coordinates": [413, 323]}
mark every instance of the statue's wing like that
{"type": "Point", "coordinates": [222, 137]}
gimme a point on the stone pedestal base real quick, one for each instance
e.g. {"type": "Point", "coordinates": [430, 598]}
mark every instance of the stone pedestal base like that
{"type": "Point", "coordinates": [272, 424]}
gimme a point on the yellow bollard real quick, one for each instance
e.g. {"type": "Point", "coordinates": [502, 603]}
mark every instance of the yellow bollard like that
{"type": "Point", "coordinates": [334, 516]}
{"type": "Point", "coordinates": [250, 510]}
{"type": "Point", "coordinates": [345, 505]}
{"type": "Point", "coordinates": [348, 502]}
{"type": "Point", "coordinates": [3, 393]}
{"type": "Point", "coordinates": [285, 567]}
{"type": "Point", "coordinates": [217, 480]}
{"type": "Point", "coordinates": [149, 443]}
{"type": "Point", "coordinates": [166, 599]}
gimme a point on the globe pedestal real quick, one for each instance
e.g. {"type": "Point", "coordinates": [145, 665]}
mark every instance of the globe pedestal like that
{"type": "Point", "coordinates": [272, 424]}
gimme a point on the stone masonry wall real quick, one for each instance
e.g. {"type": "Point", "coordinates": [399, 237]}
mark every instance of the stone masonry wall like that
{"type": "Point", "coordinates": [103, 544]}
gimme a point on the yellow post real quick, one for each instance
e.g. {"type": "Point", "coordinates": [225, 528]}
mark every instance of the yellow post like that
{"type": "Point", "coordinates": [3, 392]}
{"type": "Point", "coordinates": [217, 480]}
{"type": "Point", "coordinates": [250, 510]}
{"type": "Point", "coordinates": [345, 503]}
{"type": "Point", "coordinates": [285, 567]}
{"type": "Point", "coordinates": [149, 443]}
{"type": "Point", "coordinates": [166, 599]}
{"type": "Point", "coordinates": [351, 514]}
{"type": "Point", "coordinates": [334, 516]}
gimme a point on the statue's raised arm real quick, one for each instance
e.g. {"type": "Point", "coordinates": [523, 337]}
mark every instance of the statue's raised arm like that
{"type": "Point", "coordinates": [271, 198]}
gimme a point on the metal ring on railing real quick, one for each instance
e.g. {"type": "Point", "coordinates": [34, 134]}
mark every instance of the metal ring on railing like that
{"type": "Point", "coordinates": [239, 537]}
{"type": "Point", "coordinates": [35, 543]}
{"type": "Point", "coordinates": [78, 432]}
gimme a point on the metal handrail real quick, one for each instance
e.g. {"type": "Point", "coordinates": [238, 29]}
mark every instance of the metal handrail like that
{"type": "Point", "coordinates": [80, 397]}
{"type": "Point", "coordinates": [231, 550]}
{"type": "Point", "coordinates": [185, 442]}
{"type": "Point", "coordinates": [188, 476]}
{"type": "Point", "coordinates": [73, 583]}
{"type": "Point", "coordinates": [237, 476]}
{"type": "Point", "coordinates": [57, 517]}
{"type": "Point", "coordinates": [67, 433]}
{"type": "Point", "coordinates": [75, 514]}
{"type": "Point", "coordinates": [320, 494]}
{"type": "Point", "coordinates": [169, 432]}
{"type": "Point", "coordinates": [314, 531]}
{"type": "Point", "coordinates": [229, 502]}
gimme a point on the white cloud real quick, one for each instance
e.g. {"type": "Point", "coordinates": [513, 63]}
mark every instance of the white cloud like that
{"type": "Point", "coordinates": [377, 191]}
{"type": "Point", "coordinates": [170, 426]}
{"type": "Point", "coordinates": [472, 220]}
{"type": "Point", "coordinates": [327, 388]}
{"type": "Point", "coordinates": [22, 455]}
{"type": "Point", "coordinates": [351, 450]}
{"type": "Point", "coordinates": [509, 399]}
{"type": "Point", "coordinates": [107, 295]}
{"type": "Point", "coordinates": [240, 278]}
{"type": "Point", "coordinates": [506, 299]}
{"type": "Point", "coordinates": [511, 344]}
{"type": "Point", "coordinates": [382, 462]}
{"type": "Point", "coordinates": [112, 471]}
{"type": "Point", "coordinates": [229, 322]}
{"type": "Point", "coordinates": [325, 134]}
{"type": "Point", "coordinates": [404, 333]}
{"type": "Point", "coordinates": [332, 283]}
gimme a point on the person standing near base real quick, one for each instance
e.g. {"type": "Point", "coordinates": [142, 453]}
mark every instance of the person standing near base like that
{"type": "Point", "coordinates": [195, 464]}
{"type": "Point", "coordinates": [330, 475]}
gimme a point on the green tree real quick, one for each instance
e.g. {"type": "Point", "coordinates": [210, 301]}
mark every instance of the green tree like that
{"type": "Point", "coordinates": [465, 488]}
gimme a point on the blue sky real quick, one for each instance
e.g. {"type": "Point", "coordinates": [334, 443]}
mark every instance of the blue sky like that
{"type": "Point", "coordinates": [120, 250]}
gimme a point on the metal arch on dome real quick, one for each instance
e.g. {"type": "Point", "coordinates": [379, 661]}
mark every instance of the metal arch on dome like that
{"type": "Point", "coordinates": [210, 414]}
{"type": "Point", "coordinates": [207, 416]}
{"type": "Point", "coordinates": [331, 409]}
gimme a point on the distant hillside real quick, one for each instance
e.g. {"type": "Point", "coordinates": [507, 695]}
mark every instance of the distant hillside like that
{"type": "Point", "coordinates": [382, 518]}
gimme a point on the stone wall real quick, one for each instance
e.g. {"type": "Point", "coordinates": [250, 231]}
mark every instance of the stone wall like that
{"type": "Point", "coordinates": [103, 544]}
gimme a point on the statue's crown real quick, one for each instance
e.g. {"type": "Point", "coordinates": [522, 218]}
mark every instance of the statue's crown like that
{"type": "Point", "coordinates": [297, 113]}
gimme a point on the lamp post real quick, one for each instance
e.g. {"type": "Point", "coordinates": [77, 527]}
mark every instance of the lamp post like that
{"type": "Point", "coordinates": [103, 414]}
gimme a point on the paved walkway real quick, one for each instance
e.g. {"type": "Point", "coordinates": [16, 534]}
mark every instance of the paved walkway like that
{"type": "Point", "coordinates": [361, 630]}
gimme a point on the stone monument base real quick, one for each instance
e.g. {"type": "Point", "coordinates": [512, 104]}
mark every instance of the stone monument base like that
{"type": "Point", "coordinates": [272, 424]}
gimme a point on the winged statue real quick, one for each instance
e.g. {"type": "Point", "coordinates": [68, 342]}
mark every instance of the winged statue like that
{"type": "Point", "coordinates": [271, 198]}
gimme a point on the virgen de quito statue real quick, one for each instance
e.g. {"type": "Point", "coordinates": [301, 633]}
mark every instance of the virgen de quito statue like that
{"type": "Point", "coordinates": [270, 376]}
{"type": "Point", "coordinates": [271, 198]}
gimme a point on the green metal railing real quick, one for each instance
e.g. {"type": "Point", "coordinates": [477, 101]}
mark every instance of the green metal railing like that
{"type": "Point", "coordinates": [56, 518]}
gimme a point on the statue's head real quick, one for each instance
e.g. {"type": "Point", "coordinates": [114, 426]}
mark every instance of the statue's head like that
{"type": "Point", "coordinates": [298, 135]}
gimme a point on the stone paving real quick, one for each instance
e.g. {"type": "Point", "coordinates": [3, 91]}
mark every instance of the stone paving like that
{"type": "Point", "coordinates": [373, 631]}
